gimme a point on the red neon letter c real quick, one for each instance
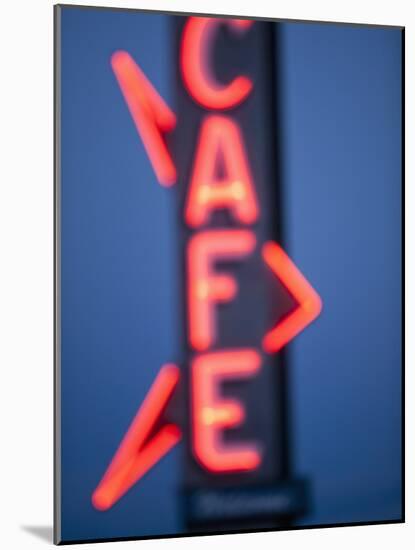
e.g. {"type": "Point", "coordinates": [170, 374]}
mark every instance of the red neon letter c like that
{"type": "Point", "coordinates": [201, 84]}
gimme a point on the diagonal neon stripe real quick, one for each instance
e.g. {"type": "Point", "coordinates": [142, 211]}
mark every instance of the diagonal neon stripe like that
{"type": "Point", "coordinates": [150, 114]}
{"type": "Point", "coordinates": [309, 302]}
{"type": "Point", "coordinates": [131, 460]}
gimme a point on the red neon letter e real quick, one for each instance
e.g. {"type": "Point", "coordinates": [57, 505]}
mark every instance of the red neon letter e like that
{"type": "Point", "coordinates": [211, 414]}
{"type": "Point", "coordinates": [205, 288]}
{"type": "Point", "coordinates": [196, 42]}
{"type": "Point", "coordinates": [221, 137]}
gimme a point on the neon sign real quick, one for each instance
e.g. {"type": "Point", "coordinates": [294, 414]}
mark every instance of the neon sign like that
{"type": "Point", "coordinates": [231, 261]}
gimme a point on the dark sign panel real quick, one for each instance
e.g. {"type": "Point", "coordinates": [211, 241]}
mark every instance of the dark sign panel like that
{"type": "Point", "coordinates": [226, 147]}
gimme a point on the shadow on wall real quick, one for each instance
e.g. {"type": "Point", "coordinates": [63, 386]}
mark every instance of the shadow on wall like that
{"type": "Point", "coordinates": [43, 532]}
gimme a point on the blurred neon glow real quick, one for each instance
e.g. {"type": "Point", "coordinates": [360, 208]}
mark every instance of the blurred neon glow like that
{"type": "Point", "coordinates": [220, 140]}
{"type": "Point", "coordinates": [204, 287]}
{"type": "Point", "coordinates": [196, 45]}
{"type": "Point", "coordinates": [151, 116]}
{"type": "Point", "coordinates": [136, 455]}
{"type": "Point", "coordinates": [309, 302]}
{"type": "Point", "coordinates": [212, 414]}
{"type": "Point", "coordinates": [221, 137]}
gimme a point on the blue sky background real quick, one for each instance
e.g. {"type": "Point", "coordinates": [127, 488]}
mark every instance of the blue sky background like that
{"type": "Point", "coordinates": [341, 138]}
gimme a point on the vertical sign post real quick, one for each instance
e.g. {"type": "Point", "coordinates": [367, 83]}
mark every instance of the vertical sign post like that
{"type": "Point", "coordinates": [237, 466]}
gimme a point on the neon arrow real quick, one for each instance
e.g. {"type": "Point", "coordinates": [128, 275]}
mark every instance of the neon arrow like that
{"type": "Point", "coordinates": [135, 455]}
{"type": "Point", "coordinates": [309, 302]}
{"type": "Point", "coordinates": [152, 117]}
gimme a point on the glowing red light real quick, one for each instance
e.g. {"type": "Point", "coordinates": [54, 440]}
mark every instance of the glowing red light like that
{"type": "Point", "coordinates": [150, 114]}
{"type": "Point", "coordinates": [220, 136]}
{"type": "Point", "coordinates": [196, 42]}
{"type": "Point", "coordinates": [204, 287]}
{"type": "Point", "coordinates": [135, 455]}
{"type": "Point", "coordinates": [212, 414]}
{"type": "Point", "coordinates": [309, 302]}
{"type": "Point", "coordinates": [220, 145]}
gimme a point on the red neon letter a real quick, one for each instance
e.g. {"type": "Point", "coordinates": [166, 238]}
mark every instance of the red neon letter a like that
{"type": "Point", "coordinates": [220, 137]}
